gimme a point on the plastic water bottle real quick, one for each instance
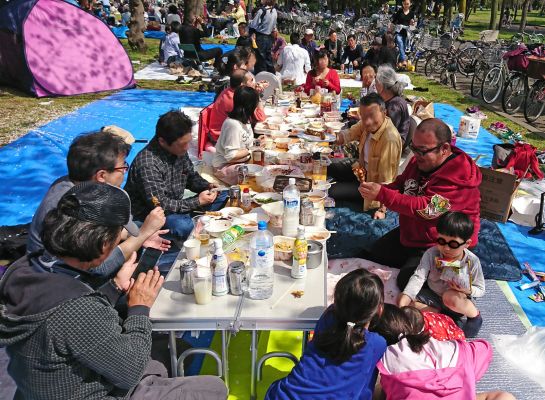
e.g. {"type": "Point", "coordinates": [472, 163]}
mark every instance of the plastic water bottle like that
{"type": "Point", "coordinates": [261, 280]}
{"type": "Point", "coordinates": [350, 67]}
{"type": "Point", "coordinates": [292, 206]}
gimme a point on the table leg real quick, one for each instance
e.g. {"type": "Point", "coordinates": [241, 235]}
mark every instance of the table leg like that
{"type": "Point", "coordinates": [225, 358]}
{"type": "Point", "coordinates": [253, 373]}
{"type": "Point", "coordinates": [173, 353]}
{"type": "Point", "coordinates": [305, 341]}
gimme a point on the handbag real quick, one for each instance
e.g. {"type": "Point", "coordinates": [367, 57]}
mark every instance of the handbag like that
{"type": "Point", "coordinates": [517, 60]}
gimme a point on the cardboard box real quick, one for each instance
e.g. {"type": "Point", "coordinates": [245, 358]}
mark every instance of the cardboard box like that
{"type": "Point", "coordinates": [498, 190]}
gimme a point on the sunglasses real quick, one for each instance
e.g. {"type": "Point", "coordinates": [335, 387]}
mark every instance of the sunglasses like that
{"type": "Point", "coordinates": [453, 244]}
{"type": "Point", "coordinates": [124, 168]}
{"type": "Point", "coordinates": [422, 153]}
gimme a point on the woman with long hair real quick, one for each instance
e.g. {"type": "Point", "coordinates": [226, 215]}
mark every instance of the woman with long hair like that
{"type": "Point", "coordinates": [236, 137]}
{"type": "Point", "coordinates": [340, 361]}
{"type": "Point", "coordinates": [322, 75]}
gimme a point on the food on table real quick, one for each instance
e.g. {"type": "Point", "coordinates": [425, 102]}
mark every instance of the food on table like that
{"type": "Point", "coordinates": [298, 293]}
{"type": "Point", "coordinates": [265, 200]}
{"type": "Point", "coordinates": [318, 236]}
{"type": "Point", "coordinates": [248, 224]}
{"type": "Point", "coordinates": [213, 213]}
{"type": "Point", "coordinates": [155, 201]}
{"type": "Point", "coordinates": [360, 173]}
{"type": "Point", "coordinates": [283, 246]}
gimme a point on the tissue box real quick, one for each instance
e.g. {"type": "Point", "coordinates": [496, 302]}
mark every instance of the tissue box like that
{"type": "Point", "coordinates": [469, 127]}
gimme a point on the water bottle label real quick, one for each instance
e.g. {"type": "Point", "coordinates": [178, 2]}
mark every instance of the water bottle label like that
{"type": "Point", "coordinates": [219, 284]}
{"type": "Point", "coordinates": [264, 258]}
{"type": "Point", "coordinates": [292, 204]}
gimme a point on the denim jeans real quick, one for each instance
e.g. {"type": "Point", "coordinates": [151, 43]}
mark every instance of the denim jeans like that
{"type": "Point", "coordinates": [181, 225]}
{"type": "Point", "coordinates": [401, 42]}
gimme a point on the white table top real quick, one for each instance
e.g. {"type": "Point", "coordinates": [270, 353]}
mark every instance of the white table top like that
{"type": "Point", "coordinates": [174, 310]}
{"type": "Point", "coordinates": [282, 311]}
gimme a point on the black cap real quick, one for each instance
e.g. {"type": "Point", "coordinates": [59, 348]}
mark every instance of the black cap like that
{"type": "Point", "coordinates": [102, 204]}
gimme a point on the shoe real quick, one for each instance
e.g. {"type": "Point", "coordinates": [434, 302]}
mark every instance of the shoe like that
{"type": "Point", "coordinates": [472, 326]}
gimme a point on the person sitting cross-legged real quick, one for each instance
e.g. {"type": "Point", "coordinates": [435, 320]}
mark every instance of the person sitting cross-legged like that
{"type": "Point", "coordinates": [162, 172]}
{"type": "Point", "coordinates": [98, 157]}
{"type": "Point", "coordinates": [65, 340]}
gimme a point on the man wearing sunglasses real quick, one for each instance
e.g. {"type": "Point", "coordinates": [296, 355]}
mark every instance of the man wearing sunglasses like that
{"type": "Point", "coordinates": [439, 178]}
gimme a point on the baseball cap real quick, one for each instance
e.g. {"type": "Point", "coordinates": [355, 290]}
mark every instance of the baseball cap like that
{"type": "Point", "coordinates": [309, 32]}
{"type": "Point", "coordinates": [102, 204]}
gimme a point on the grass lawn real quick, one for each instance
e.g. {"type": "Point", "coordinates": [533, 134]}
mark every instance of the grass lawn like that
{"type": "Point", "coordinates": [479, 21]}
{"type": "Point", "coordinates": [22, 113]}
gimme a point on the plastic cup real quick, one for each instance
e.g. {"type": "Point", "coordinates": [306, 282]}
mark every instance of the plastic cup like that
{"type": "Point", "coordinates": [192, 249]}
{"type": "Point", "coordinates": [202, 285]}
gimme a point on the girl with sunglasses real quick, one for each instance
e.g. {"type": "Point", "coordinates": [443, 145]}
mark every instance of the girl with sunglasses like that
{"type": "Point", "coordinates": [431, 288]}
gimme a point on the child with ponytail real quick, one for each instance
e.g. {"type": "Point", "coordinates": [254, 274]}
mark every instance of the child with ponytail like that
{"type": "Point", "coordinates": [418, 366]}
{"type": "Point", "coordinates": [340, 362]}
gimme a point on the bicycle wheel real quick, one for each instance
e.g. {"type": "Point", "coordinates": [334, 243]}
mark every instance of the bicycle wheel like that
{"type": "Point", "coordinates": [477, 80]}
{"type": "Point", "coordinates": [434, 64]}
{"type": "Point", "coordinates": [514, 94]}
{"type": "Point", "coordinates": [492, 85]}
{"type": "Point", "coordinates": [465, 60]}
{"type": "Point", "coordinates": [535, 101]}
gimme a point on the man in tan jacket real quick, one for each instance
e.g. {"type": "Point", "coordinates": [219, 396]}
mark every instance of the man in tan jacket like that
{"type": "Point", "coordinates": [380, 149]}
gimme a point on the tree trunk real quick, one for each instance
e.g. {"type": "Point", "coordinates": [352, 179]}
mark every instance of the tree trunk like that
{"type": "Point", "coordinates": [462, 7]}
{"type": "Point", "coordinates": [502, 14]}
{"type": "Point", "coordinates": [493, 15]}
{"type": "Point", "coordinates": [423, 8]}
{"type": "Point", "coordinates": [447, 15]}
{"type": "Point", "coordinates": [470, 4]}
{"type": "Point", "coordinates": [137, 26]}
{"type": "Point", "coordinates": [192, 9]}
{"type": "Point", "coordinates": [524, 16]}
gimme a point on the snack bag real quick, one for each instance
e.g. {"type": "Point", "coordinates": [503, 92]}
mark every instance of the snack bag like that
{"type": "Point", "coordinates": [454, 272]}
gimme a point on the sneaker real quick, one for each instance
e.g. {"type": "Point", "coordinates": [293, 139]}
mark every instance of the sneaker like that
{"type": "Point", "coordinates": [472, 326]}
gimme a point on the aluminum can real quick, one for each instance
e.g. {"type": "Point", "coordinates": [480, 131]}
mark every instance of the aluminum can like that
{"type": "Point", "coordinates": [242, 171]}
{"type": "Point", "coordinates": [234, 196]}
{"type": "Point", "coordinates": [186, 275]}
{"type": "Point", "coordinates": [237, 277]}
{"type": "Point", "coordinates": [306, 215]}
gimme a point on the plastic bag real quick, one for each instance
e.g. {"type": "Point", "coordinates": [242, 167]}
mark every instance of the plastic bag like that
{"type": "Point", "coordinates": [455, 273]}
{"type": "Point", "coordinates": [525, 352]}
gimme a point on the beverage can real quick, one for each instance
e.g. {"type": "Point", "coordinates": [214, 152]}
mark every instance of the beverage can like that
{"type": "Point", "coordinates": [242, 171]}
{"type": "Point", "coordinates": [234, 196]}
{"type": "Point", "coordinates": [237, 277]}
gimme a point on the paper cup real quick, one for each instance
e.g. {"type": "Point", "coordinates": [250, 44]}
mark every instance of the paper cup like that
{"type": "Point", "coordinates": [192, 249]}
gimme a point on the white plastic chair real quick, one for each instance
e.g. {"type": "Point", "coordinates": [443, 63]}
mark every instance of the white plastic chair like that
{"type": "Point", "coordinates": [274, 83]}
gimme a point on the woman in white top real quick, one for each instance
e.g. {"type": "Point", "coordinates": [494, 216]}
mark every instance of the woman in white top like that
{"type": "Point", "coordinates": [236, 137]}
{"type": "Point", "coordinates": [173, 15]}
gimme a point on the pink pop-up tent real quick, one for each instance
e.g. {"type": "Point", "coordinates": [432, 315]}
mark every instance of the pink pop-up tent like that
{"type": "Point", "coordinates": [54, 48]}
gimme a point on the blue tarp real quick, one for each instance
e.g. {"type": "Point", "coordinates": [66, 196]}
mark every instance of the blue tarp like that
{"type": "Point", "coordinates": [31, 163]}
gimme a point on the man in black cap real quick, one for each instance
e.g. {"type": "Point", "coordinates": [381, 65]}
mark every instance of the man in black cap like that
{"type": "Point", "coordinates": [65, 340]}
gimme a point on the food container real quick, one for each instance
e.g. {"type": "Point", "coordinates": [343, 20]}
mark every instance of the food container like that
{"type": "Point", "coordinates": [315, 254]}
{"type": "Point", "coordinates": [318, 234]}
{"type": "Point", "coordinates": [282, 143]}
{"type": "Point", "coordinates": [216, 227]}
{"type": "Point", "coordinates": [274, 123]}
{"type": "Point", "coordinates": [275, 211]}
{"type": "Point", "coordinates": [283, 248]}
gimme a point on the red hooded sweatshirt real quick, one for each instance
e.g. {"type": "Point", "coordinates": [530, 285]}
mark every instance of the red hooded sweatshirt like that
{"type": "Point", "coordinates": [421, 198]}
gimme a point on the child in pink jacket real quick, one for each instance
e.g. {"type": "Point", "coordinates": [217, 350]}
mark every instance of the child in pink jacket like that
{"type": "Point", "coordinates": [417, 366]}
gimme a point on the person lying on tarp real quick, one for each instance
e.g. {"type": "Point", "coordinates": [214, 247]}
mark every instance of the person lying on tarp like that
{"type": "Point", "coordinates": [64, 339]}
{"type": "Point", "coordinates": [98, 157]}
{"type": "Point", "coordinates": [162, 172]}
{"type": "Point", "coordinates": [439, 178]}
{"type": "Point", "coordinates": [379, 154]}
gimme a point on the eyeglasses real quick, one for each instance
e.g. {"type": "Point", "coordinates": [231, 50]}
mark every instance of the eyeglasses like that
{"type": "Point", "coordinates": [124, 168]}
{"type": "Point", "coordinates": [453, 244]}
{"type": "Point", "coordinates": [422, 153]}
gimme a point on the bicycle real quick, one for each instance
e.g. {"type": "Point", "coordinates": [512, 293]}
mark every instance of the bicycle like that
{"type": "Point", "coordinates": [491, 57]}
{"type": "Point", "coordinates": [493, 82]}
{"type": "Point", "coordinates": [514, 93]}
{"type": "Point", "coordinates": [535, 101]}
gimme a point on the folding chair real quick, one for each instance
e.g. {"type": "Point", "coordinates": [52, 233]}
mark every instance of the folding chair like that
{"type": "Point", "coordinates": [204, 124]}
{"type": "Point", "coordinates": [190, 52]}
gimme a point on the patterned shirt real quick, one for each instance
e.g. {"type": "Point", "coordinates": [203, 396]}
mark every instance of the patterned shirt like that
{"type": "Point", "coordinates": [157, 173]}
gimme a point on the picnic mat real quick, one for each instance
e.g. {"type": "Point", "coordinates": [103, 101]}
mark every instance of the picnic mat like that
{"type": "Point", "coordinates": [32, 162]}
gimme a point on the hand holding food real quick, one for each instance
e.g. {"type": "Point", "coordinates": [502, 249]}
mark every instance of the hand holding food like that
{"type": "Point", "coordinates": [360, 173]}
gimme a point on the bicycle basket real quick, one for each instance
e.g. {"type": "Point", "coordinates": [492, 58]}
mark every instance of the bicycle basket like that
{"type": "Point", "coordinates": [493, 56]}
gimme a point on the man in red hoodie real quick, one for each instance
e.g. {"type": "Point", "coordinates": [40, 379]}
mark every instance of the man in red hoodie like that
{"type": "Point", "coordinates": [439, 178]}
